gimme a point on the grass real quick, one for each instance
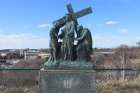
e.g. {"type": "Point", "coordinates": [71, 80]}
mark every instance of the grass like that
{"type": "Point", "coordinates": [19, 90]}
{"type": "Point", "coordinates": [118, 86]}
{"type": "Point", "coordinates": [108, 86]}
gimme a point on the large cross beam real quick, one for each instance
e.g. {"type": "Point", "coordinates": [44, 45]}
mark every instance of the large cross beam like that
{"type": "Point", "coordinates": [76, 15]}
{"type": "Point", "coordinates": [69, 8]}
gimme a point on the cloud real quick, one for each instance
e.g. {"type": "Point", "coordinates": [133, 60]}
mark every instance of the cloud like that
{"type": "Point", "coordinates": [124, 30]}
{"type": "Point", "coordinates": [44, 25]}
{"type": "Point", "coordinates": [107, 41]}
{"type": "Point", "coordinates": [111, 22]}
{"type": "Point", "coordinates": [23, 40]}
{"type": "Point", "coordinates": [28, 40]}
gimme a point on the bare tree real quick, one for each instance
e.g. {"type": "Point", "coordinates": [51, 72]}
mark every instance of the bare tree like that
{"type": "Point", "coordinates": [122, 53]}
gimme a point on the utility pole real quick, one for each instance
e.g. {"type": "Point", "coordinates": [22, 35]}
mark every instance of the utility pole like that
{"type": "Point", "coordinates": [123, 57]}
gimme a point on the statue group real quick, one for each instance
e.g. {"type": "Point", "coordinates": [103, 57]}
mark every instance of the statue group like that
{"type": "Point", "coordinates": [70, 41]}
{"type": "Point", "coordinates": [68, 69]}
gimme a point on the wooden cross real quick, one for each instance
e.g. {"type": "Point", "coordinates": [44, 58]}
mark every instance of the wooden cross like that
{"type": "Point", "coordinates": [76, 15]}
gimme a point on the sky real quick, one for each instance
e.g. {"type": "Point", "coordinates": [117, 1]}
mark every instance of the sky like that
{"type": "Point", "coordinates": [26, 23]}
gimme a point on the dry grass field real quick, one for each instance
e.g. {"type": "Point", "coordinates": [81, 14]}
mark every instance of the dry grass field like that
{"type": "Point", "coordinates": [109, 86]}
{"type": "Point", "coordinates": [19, 90]}
{"type": "Point", "coordinates": [121, 86]}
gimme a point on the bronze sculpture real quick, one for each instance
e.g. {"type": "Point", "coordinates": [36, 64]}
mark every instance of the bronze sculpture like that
{"type": "Point", "coordinates": [54, 43]}
{"type": "Point", "coordinates": [70, 28]}
{"type": "Point", "coordinates": [84, 46]}
{"type": "Point", "coordinates": [67, 51]}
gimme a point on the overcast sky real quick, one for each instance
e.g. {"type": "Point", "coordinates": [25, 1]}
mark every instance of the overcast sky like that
{"type": "Point", "coordinates": [26, 23]}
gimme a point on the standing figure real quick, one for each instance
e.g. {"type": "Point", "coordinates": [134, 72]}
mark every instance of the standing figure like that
{"type": "Point", "coordinates": [70, 28]}
{"type": "Point", "coordinates": [84, 46]}
{"type": "Point", "coordinates": [63, 48]}
{"type": "Point", "coordinates": [54, 45]}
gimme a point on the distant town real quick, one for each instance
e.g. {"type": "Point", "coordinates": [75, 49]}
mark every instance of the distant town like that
{"type": "Point", "coordinates": [101, 57]}
{"type": "Point", "coordinates": [19, 57]}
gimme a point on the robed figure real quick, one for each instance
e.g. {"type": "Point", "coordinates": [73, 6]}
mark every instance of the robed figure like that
{"type": "Point", "coordinates": [67, 36]}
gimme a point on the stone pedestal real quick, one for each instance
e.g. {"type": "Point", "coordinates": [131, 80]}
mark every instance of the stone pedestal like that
{"type": "Point", "coordinates": [67, 81]}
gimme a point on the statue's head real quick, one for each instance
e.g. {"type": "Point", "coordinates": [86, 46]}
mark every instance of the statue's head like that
{"type": "Point", "coordinates": [79, 27]}
{"type": "Point", "coordinates": [69, 17]}
{"type": "Point", "coordinates": [79, 30]}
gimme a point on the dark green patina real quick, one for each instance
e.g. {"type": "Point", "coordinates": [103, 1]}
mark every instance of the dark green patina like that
{"type": "Point", "coordinates": [67, 53]}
